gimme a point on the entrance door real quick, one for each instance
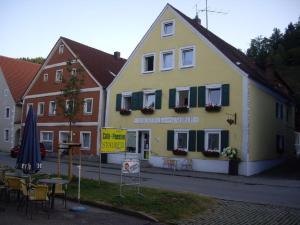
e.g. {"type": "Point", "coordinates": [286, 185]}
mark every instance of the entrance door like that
{"type": "Point", "coordinates": [144, 144]}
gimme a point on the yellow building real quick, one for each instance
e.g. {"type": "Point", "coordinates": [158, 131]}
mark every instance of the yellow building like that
{"type": "Point", "coordinates": [186, 94]}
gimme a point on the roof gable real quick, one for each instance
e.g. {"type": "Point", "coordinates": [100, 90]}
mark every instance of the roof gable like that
{"type": "Point", "coordinates": [16, 70]}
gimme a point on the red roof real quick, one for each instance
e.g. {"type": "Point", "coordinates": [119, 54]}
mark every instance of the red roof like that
{"type": "Point", "coordinates": [18, 75]}
{"type": "Point", "coordinates": [99, 63]}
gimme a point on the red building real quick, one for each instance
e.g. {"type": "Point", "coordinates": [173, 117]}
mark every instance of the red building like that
{"type": "Point", "coordinates": [97, 68]}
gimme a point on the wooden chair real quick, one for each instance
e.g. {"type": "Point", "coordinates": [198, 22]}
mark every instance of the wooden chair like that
{"type": "Point", "coordinates": [39, 194]}
{"type": "Point", "coordinates": [13, 186]}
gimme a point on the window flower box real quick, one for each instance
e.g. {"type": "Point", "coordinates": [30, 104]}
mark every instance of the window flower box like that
{"type": "Point", "coordinates": [147, 110]}
{"type": "Point", "coordinates": [181, 109]}
{"type": "Point", "coordinates": [179, 152]}
{"type": "Point", "coordinates": [211, 153]}
{"type": "Point", "coordinates": [213, 108]}
{"type": "Point", "coordinates": [125, 112]}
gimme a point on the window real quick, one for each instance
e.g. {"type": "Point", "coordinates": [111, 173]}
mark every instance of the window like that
{"type": "Point", "coordinates": [74, 72]}
{"type": "Point", "coordinates": [148, 63]}
{"type": "Point", "coordinates": [167, 60]}
{"type": "Point", "coordinates": [149, 99]}
{"type": "Point", "coordinates": [126, 101]}
{"type": "Point", "coordinates": [41, 107]}
{"type": "Point", "coordinates": [182, 97]}
{"type": "Point", "coordinates": [213, 141]}
{"type": "Point", "coordinates": [88, 106]}
{"type": "Point", "coordinates": [52, 108]}
{"type": "Point", "coordinates": [168, 28]}
{"type": "Point", "coordinates": [279, 110]}
{"type": "Point", "coordinates": [6, 135]}
{"type": "Point", "coordinates": [85, 140]}
{"type": "Point", "coordinates": [213, 95]}
{"type": "Point", "coordinates": [28, 106]}
{"type": "Point", "coordinates": [64, 136]}
{"type": "Point", "coordinates": [131, 142]}
{"type": "Point", "coordinates": [46, 138]}
{"type": "Point", "coordinates": [45, 77]}
{"type": "Point", "coordinates": [61, 49]}
{"type": "Point", "coordinates": [187, 57]}
{"type": "Point", "coordinates": [58, 76]}
{"type": "Point", "coordinates": [181, 140]}
{"type": "Point", "coordinates": [69, 107]}
{"type": "Point", "coordinates": [7, 112]}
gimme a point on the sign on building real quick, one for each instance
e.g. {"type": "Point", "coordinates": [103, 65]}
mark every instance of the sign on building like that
{"type": "Point", "coordinates": [113, 140]}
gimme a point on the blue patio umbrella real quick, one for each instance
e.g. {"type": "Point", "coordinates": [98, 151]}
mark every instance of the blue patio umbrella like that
{"type": "Point", "coordinates": [29, 158]}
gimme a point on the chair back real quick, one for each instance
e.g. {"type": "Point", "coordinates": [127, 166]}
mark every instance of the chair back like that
{"type": "Point", "coordinates": [59, 188]}
{"type": "Point", "coordinates": [40, 193]}
{"type": "Point", "coordinates": [13, 183]}
{"type": "Point", "coordinates": [24, 188]}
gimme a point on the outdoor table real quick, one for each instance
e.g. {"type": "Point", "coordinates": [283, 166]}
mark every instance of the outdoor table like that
{"type": "Point", "coordinates": [53, 182]}
{"type": "Point", "coordinates": [19, 175]}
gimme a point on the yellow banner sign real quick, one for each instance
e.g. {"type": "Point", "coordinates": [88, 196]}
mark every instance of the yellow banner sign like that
{"type": "Point", "coordinates": [113, 140]}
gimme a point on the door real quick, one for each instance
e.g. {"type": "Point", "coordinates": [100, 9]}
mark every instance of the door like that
{"type": "Point", "coordinates": [144, 144]}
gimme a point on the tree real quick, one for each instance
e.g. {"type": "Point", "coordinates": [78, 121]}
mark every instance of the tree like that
{"type": "Point", "coordinates": [39, 60]}
{"type": "Point", "coordinates": [70, 102]}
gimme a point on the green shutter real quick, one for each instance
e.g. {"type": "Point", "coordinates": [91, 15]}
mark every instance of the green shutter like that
{"type": "Point", "coordinates": [193, 97]}
{"type": "Point", "coordinates": [172, 98]}
{"type": "Point", "coordinates": [137, 100]}
{"type": "Point", "coordinates": [158, 99]}
{"type": "Point", "coordinates": [118, 102]}
{"type": "Point", "coordinates": [141, 99]}
{"type": "Point", "coordinates": [224, 139]}
{"type": "Point", "coordinates": [170, 140]}
{"type": "Point", "coordinates": [200, 140]}
{"type": "Point", "coordinates": [201, 96]}
{"type": "Point", "coordinates": [225, 95]}
{"type": "Point", "coordinates": [192, 140]}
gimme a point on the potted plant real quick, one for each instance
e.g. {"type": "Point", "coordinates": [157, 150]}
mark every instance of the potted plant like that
{"type": "Point", "coordinates": [233, 164]}
{"type": "Point", "coordinates": [212, 108]}
{"type": "Point", "coordinates": [179, 152]}
{"type": "Point", "coordinates": [147, 110]}
{"type": "Point", "coordinates": [209, 153]}
{"type": "Point", "coordinates": [181, 109]}
{"type": "Point", "coordinates": [125, 112]}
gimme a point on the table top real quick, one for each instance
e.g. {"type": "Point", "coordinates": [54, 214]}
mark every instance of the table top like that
{"type": "Point", "coordinates": [54, 181]}
{"type": "Point", "coordinates": [20, 175]}
{"type": "Point", "coordinates": [2, 169]}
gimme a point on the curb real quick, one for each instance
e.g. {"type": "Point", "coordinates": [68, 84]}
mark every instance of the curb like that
{"type": "Point", "coordinates": [106, 206]}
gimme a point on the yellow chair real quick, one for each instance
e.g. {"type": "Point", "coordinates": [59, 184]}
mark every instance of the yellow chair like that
{"type": "Point", "coordinates": [13, 186]}
{"type": "Point", "coordinates": [24, 189]}
{"type": "Point", "coordinates": [39, 194]}
{"type": "Point", "coordinates": [61, 190]}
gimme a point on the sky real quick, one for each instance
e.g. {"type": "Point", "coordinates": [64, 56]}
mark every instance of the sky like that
{"type": "Point", "coordinates": [30, 28]}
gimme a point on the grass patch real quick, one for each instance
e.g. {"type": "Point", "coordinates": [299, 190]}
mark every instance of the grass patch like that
{"type": "Point", "coordinates": [166, 206]}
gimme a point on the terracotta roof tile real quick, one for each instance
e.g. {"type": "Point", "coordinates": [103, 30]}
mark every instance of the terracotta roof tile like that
{"type": "Point", "coordinates": [18, 75]}
{"type": "Point", "coordinates": [99, 63]}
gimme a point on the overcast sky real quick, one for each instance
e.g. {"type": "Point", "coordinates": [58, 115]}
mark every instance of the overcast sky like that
{"type": "Point", "coordinates": [30, 28]}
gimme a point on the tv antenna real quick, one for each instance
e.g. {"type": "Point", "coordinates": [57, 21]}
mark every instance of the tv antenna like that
{"type": "Point", "coordinates": [206, 10]}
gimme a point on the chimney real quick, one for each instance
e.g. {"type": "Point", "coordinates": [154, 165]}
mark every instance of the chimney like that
{"type": "Point", "coordinates": [197, 19]}
{"type": "Point", "coordinates": [117, 55]}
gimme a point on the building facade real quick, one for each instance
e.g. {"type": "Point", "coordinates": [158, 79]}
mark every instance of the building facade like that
{"type": "Point", "coordinates": [15, 76]}
{"type": "Point", "coordinates": [97, 69]}
{"type": "Point", "coordinates": [186, 94]}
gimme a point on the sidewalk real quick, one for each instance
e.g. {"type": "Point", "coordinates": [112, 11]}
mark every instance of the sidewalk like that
{"type": "Point", "coordinates": [267, 178]}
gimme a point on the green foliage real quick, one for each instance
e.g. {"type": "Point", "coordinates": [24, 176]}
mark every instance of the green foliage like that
{"type": "Point", "coordinates": [39, 60]}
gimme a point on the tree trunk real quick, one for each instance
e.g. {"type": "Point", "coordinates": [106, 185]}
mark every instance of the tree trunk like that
{"type": "Point", "coordinates": [70, 167]}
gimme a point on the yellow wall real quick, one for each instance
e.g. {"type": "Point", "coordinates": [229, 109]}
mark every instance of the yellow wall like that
{"type": "Point", "coordinates": [210, 68]}
{"type": "Point", "coordinates": [263, 125]}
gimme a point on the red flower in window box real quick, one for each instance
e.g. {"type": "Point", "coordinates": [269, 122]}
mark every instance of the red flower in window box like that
{"type": "Point", "coordinates": [146, 110]}
{"type": "Point", "coordinates": [212, 108]}
{"type": "Point", "coordinates": [125, 112]}
{"type": "Point", "coordinates": [208, 153]}
{"type": "Point", "coordinates": [179, 152]}
{"type": "Point", "coordinates": [181, 109]}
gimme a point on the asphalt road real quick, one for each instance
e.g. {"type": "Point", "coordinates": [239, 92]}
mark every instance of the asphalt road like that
{"type": "Point", "coordinates": [273, 193]}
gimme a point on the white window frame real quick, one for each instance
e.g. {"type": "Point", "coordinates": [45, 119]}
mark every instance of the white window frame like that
{"type": "Point", "coordinates": [39, 109]}
{"type": "Point", "coordinates": [5, 112]}
{"type": "Point", "coordinates": [74, 71]}
{"type": "Point", "coordinates": [178, 89]}
{"type": "Point", "coordinates": [162, 53]}
{"type": "Point", "coordinates": [61, 49]}
{"type": "Point", "coordinates": [143, 62]}
{"type": "Point", "coordinates": [54, 111]}
{"type": "Point", "coordinates": [85, 106]}
{"type": "Point", "coordinates": [212, 86]}
{"type": "Point", "coordinates": [46, 77]}
{"type": "Point", "coordinates": [181, 50]}
{"type": "Point", "coordinates": [4, 135]}
{"type": "Point", "coordinates": [28, 106]}
{"type": "Point", "coordinates": [212, 131]}
{"type": "Point", "coordinates": [176, 132]}
{"type": "Point", "coordinates": [56, 76]}
{"type": "Point", "coordinates": [126, 94]}
{"type": "Point", "coordinates": [67, 104]}
{"type": "Point", "coordinates": [81, 140]}
{"type": "Point", "coordinates": [41, 138]}
{"type": "Point", "coordinates": [145, 93]}
{"type": "Point", "coordinates": [63, 131]}
{"type": "Point", "coordinates": [163, 34]}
